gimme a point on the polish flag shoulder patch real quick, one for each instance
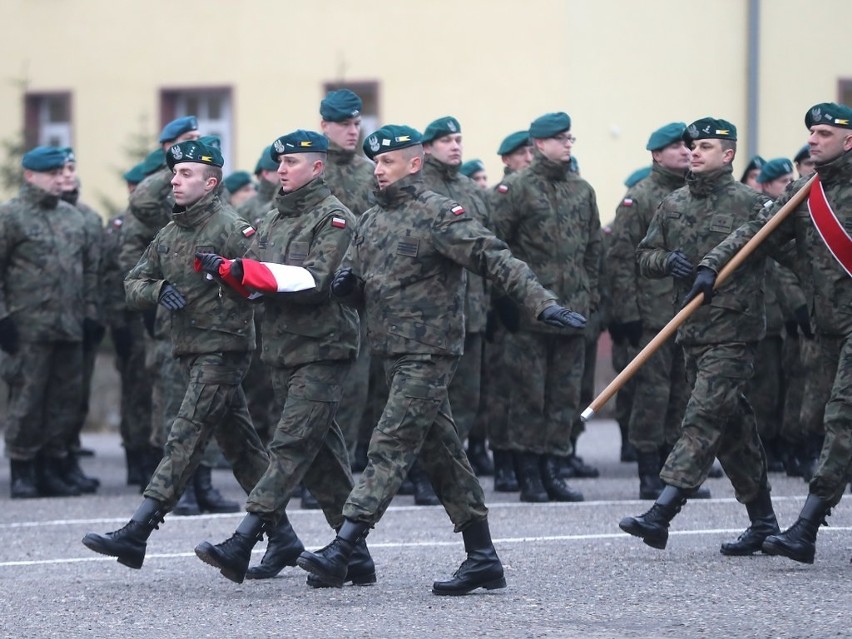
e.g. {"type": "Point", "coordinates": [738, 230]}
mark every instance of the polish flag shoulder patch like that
{"type": "Point", "coordinates": [458, 209]}
{"type": "Point", "coordinates": [249, 231]}
{"type": "Point", "coordinates": [338, 222]}
{"type": "Point", "coordinates": [628, 201]}
{"type": "Point", "coordinates": [502, 188]}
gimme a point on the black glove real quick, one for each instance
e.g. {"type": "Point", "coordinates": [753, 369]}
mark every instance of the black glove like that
{"type": "Point", "coordinates": [803, 320]}
{"type": "Point", "coordinates": [616, 332]}
{"type": "Point", "coordinates": [678, 264]}
{"type": "Point", "coordinates": [561, 317]}
{"type": "Point", "coordinates": [9, 339]}
{"type": "Point", "coordinates": [508, 313]}
{"type": "Point", "coordinates": [633, 332]}
{"type": "Point", "coordinates": [343, 283]}
{"type": "Point", "coordinates": [122, 340]}
{"type": "Point", "coordinates": [93, 333]}
{"type": "Point", "coordinates": [210, 262]}
{"type": "Point", "coordinates": [237, 271]}
{"type": "Point", "coordinates": [170, 298]}
{"type": "Point", "coordinates": [705, 278]}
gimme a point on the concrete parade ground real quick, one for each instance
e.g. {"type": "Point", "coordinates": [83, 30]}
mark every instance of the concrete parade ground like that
{"type": "Point", "coordinates": [571, 572]}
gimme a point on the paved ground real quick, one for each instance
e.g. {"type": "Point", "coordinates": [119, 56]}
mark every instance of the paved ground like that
{"type": "Point", "coordinates": [571, 572]}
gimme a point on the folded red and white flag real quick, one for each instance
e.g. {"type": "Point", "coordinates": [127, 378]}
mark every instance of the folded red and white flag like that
{"type": "Point", "coordinates": [266, 277]}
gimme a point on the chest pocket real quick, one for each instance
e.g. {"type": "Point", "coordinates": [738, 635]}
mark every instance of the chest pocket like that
{"type": "Point", "coordinates": [722, 223]}
{"type": "Point", "coordinates": [297, 253]}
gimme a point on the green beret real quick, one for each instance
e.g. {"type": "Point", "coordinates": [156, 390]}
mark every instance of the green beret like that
{"type": "Point", "coordinates": [340, 105]}
{"type": "Point", "coordinates": [136, 174]}
{"type": "Point", "coordinates": [155, 161]}
{"type": "Point", "coordinates": [638, 175]}
{"type": "Point", "coordinates": [211, 140]}
{"type": "Point", "coordinates": [194, 151]}
{"type": "Point", "coordinates": [44, 158]}
{"type": "Point", "coordinates": [237, 180]}
{"type": "Point", "coordinates": [447, 125]}
{"type": "Point", "coordinates": [265, 162]}
{"type": "Point", "coordinates": [756, 162]}
{"type": "Point", "coordinates": [471, 167]}
{"type": "Point", "coordinates": [69, 154]}
{"type": "Point", "coordinates": [549, 125]}
{"type": "Point", "coordinates": [665, 135]}
{"type": "Point", "coordinates": [390, 137]}
{"type": "Point", "coordinates": [174, 129]}
{"type": "Point", "coordinates": [513, 142]}
{"type": "Point", "coordinates": [710, 129]}
{"type": "Point", "coordinates": [774, 169]}
{"type": "Point", "coordinates": [803, 154]}
{"type": "Point", "coordinates": [829, 113]}
{"type": "Point", "coordinates": [299, 141]}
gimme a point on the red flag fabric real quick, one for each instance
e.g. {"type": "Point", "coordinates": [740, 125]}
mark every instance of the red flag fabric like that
{"type": "Point", "coordinates": [829, 227]}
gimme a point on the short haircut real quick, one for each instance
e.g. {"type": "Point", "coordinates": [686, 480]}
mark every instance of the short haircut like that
{"type": "Point", "coordinates": [213, 172]}
{"type": "Point", "coordinates": [413, 151]}
{"type": "Point", "coordinates": [729, 144]}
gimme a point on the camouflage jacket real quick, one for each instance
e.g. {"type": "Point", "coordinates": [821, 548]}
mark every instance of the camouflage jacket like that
{"type": "Point", "coordinates": [447, 181]}
{"type": "Point", "coordinates": [636, 297]}
{"type": "Point", "coordinates": [150, 206]}
{"type": "Point", "coordinates": [350, 178]}
{"type": "Point", "coordinates": [312, 229]}
{"type": "Point", "coordinates": [112, 274]}
{"type": "Point", "coordinates": [94, 231]}
{"type": "Point", "coordinates": [828, 285]}
{"type": "Point", "coordinates": [410, 252]}
{"type": "Point", "coordinates": [258, 205]}
{"type": "Point", "coordinates": [694, 219]}
{"type": "Point", "coordinates": [211, 321]}
{"type": "Point", "coordinates": [549, 218]}
{"type": "Point", "coordinates": [48, 267]}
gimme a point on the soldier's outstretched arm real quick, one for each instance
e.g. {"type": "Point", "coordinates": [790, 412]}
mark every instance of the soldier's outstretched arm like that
{"type": "Point", "coordinates": [144, 281]}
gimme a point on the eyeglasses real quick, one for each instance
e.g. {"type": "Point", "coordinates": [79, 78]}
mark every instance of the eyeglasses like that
{"type": "Point", "coordinates": [562, 138]}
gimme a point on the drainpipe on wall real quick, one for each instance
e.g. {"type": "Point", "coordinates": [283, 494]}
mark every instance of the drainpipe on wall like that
{"type": "Point", "coordinates": [753, 87]}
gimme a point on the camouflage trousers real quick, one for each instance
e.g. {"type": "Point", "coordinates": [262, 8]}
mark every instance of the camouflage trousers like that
{"type": "Point", "coordinates": [417, 421]}
{"type": "Point", "coordinates": [464, 388]}
{"type": "Point", "coordinates": [835, 460]}
{"type": "Point", "coordinates": [90, 354]}
{"type": "Point", "coordinates": [793, 374]}
{"type": "Point", "coordinates": [820, 359]}
{"type": "Point", "coordinates": [135, 424]}
{"type": "Point", "coordinates": [45, 384]}
{"type": "Point", "coordinates": [718, 422]}
{"type": "Point", "coordinates": [621, 356]}
{"type": "Point", "coordinates": [491, 417]}
{"type": "Point", "coordinates": [257, 385]}
{"type": "Point", "coordinates": [764, 390]}
{"type": "Point", "coordinates": [307, 443]}
{"type": "Point", "coordinates": [660, 394]}
{"type": "Point", "coordinates": [214, 405]}
{"type": "Point", "coordinates": [544, 395]}
{"type": "Point", "coordinates": [354, 403]}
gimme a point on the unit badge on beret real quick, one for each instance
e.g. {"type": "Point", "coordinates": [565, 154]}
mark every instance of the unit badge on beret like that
{"type": "Point", "coordinates": [816, 113]}
{"type": "Point", "coordinates": [279, 146]}
{"type": "Point", "coordinates": [356, 113]}
{"type": "Point", "coordinates": [451, 126]}
{"type": "Point", "coordinates": [373, 141]}
{"type": "Point", "coordinates": [177, 154]}
{"type": "Point", "coordinates": [693, 131]}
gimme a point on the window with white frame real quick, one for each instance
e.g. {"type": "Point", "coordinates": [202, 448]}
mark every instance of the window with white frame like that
{"type": "Point", "coordinates": [212, 107]}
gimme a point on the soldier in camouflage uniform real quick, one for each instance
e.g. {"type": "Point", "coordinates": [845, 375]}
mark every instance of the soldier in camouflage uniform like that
{"type": "Point", "coordinates": [641, 308]}
{"type": "Point", "coordinates": [549, 218]}
{"type": "Point", "coordinates": [830, 142]}
{"type": "Point", "coordinates": [212, 335]}
{"type": "Point", "coordinates": [406, 266]}
{"type": "Point", "coordinates": [48, 306]}
{"type": "Point", "coordinates": [310, 344]}
{"type": "Point", "coordinates": [719, 340]}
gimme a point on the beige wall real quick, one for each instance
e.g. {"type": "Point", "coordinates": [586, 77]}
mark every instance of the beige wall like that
{"type": "Point", "coordinates": [620, 68]}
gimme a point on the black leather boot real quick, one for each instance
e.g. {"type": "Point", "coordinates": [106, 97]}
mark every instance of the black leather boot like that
{"type": "Point", "coordinates": [573, 466]}
{"type": "Point", "coordinates": [23, 484]}
{"type": "Point", "coordinates": [331, 563]}
{"type": "Point", "coordinates": [128, 544]}
{"type": "Point", "coordinates": [798, 542]}
{"type": "Point", "coordinates": [232, 556]}
{"type": "Point", "coordinates": [505, 480]}
{"type": "Point", "coordinates": [361, 570]}
{"type": "Point", "coordinates": [532, 489]}
{"type": "Point", "coordinates": [650, 484]}
{"type": "Point", "coordinates": [477, 455]}
{"type": "Point", "coordinates": [424, 494]}
{"type": "Point", "coordinates": [283, 550]}
{"type": "Point", "coordinates": [209, 499]}
{"type": "Point", "coordinates": [187, 505]}
{"type": "Point", "coordinates": [653, 526]}
{"type": "Point", "coordinates": [763, 524]}
{"type": "Point", "coordinates": [481, 569]}
{"type": "Point", "coordinates": [51, 479]}
{"type": "Point", "coordinates": [557, 489]}
{"type": "Point", "coordinates": [73, 475]}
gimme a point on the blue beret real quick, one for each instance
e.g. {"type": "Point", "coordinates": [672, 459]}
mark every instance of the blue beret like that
{"type": "Point", "coordinates": [471, 167]}
{"type": "Point", "coordinates": [176, 128]}
{"type": "Point", "coordinates": [155, 161]}
{"type": "Point", "coordinates": [390, 137]}
{"type": "Point", "coordinates": [237, 180]}
{"type": "Point", "coordinates": [638, 175]}
{"type": "Point", "coordinates": [710, 128]}
{"type": "Point", "coordinates": [439, 128]}
{"type": "Point", "coordinates": [44, 158]}
{"type": "Point", "coordinates": [803, 154]}
{"type": "Point", "coordinates": [265, 162]}
{"type": "Point", "coordinates": [340, 105]}
{"type": "Point", "coordinates": [774, 169]}
{"type": "Point", "coordinates": [549, 125]}
{"type": "Point", "coordinates": [194, 151]}
{"type": "Point", "coordinates": [299, 141]}
{"type": "Point", "coordinates": [756, 162]}
{"type": "Point", "coordinates": [665, 135]}
{"type": "Point", "coordinates": [829, 113]}
{"type": "Point", "coordinates": [136, 174]}
{"type": "Point", "coordinates": [513, 142]}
